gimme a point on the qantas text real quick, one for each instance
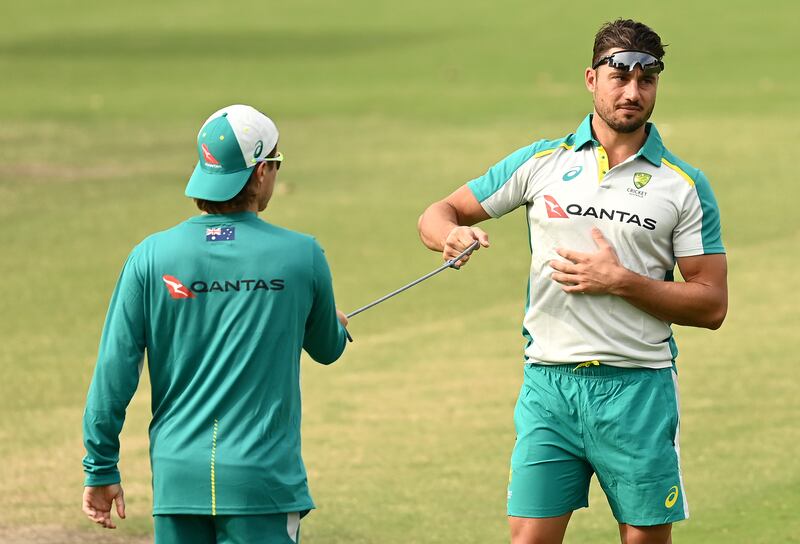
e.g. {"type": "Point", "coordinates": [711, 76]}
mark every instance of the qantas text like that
{"type": "Point", "coordinates": [611, 215]}
{"type": "Point", "coordinates": [225, 286]}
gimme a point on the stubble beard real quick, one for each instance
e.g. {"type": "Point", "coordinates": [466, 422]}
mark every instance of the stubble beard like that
{"type": "Point", "coordinates": [623, 126]}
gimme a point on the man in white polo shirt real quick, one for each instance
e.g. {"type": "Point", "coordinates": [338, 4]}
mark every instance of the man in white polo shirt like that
{"type": "Point", "coordinates": [610, 213]}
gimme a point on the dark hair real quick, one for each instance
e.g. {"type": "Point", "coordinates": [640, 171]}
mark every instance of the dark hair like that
{"type": "Point", "coordinates": [627, 34]}
{"type": "Point", "coordinates": [243, 198]}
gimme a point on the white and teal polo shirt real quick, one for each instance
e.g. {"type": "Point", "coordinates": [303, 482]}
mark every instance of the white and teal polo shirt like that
{"type": "Point", "coordinates": [652, 208]}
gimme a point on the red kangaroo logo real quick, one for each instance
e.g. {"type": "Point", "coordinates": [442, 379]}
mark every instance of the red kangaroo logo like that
{"type": "Point", "coordinates": [207, 156]}
{"type": "Point", "coordinates": [176, 288]}
{"type": "Point", "coordinates": [554, 209]}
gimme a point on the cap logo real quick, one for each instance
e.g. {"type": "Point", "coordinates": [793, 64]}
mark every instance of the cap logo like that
{"type": "Point", "coordinates": [208, 157]}
{"type": "Point", "coordinates": [259, 148]}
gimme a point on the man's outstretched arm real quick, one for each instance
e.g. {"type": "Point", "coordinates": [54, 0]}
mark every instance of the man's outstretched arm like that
{"type": "Point", "coordinates": [446, 225]}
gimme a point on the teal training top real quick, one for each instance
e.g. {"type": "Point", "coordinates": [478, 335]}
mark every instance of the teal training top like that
{"type": "Point", "coordinates": [223, 305]}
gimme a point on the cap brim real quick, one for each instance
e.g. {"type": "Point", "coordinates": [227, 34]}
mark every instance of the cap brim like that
{"type": "Point", "coordinates": [216, 187]}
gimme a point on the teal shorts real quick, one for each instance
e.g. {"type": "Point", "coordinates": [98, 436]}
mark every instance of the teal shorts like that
{"type": "Point", "coordinates": [619, 423]}
{"type": "Point", "coordinates": [244, 529]}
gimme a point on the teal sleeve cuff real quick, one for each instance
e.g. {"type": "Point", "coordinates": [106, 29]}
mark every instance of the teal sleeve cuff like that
{"type": "Point", "coordinates": [97, 480]}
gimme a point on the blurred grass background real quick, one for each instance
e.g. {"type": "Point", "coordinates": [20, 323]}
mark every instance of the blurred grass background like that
{"type": "Point", "coordinates": [383, 108]}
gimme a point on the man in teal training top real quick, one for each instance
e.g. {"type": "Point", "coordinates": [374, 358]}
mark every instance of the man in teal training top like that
{"type": "Point", "coordinates": [610, 213]}
{"type": "Point", "coordinates": [223, 304]}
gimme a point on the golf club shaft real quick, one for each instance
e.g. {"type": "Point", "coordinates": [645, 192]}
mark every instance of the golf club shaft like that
{"type": "Point", "coordinates": [448, 264]}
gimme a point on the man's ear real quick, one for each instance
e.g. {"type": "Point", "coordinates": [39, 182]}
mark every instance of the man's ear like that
{"type": "Point", "coordinates": [261, 171]}
{"type": "Point", "coordinates": [590, 79]}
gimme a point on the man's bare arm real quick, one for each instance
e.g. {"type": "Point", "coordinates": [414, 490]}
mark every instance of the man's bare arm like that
{"type": "Point", "coordinates": [701, 300]}
{"type": "Point", "coordinates": [446, 225]}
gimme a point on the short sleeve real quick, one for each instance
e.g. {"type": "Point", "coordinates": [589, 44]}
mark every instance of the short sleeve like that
{"type": "Point", "coordinates": [698, 231]}
{"type": "Point", "coordinates": [503, 188]}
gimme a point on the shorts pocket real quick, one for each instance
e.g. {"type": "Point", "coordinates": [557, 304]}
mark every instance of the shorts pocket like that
{"type": "Point", "coordinates": [669, 391]}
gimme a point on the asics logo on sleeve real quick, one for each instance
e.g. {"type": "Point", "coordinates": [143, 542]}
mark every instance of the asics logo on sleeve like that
{"type": "Point", "coordinates": [176, 288]}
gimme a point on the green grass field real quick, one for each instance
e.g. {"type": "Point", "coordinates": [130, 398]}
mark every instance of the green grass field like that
{"type": "Point", "coordinates": [382, 109]}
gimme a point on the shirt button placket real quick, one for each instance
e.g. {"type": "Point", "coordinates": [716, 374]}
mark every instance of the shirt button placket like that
{"type": "Point", "coordinates": [603, 163]}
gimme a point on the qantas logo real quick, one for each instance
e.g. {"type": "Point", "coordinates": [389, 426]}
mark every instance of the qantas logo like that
{"type": "Point", "coordinates": [208, 157]}
{"type": "Point", "coordinates": [554, 209]}
{"type": "Point", "coordinates": [176, 288]}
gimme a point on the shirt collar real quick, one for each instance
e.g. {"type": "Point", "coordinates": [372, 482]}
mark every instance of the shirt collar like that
{"type": "Point", "coordinates": [223, 218]}
{"type": "Point", "coordinates": [652, 150]}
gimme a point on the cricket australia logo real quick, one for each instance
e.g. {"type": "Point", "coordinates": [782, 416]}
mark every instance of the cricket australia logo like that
{"type": "Point", "coordinates": [640, 179]}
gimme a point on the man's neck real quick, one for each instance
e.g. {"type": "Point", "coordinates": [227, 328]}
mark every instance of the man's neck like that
{"type": "Point", "coordinates": [618, 145]}
{"type": "Point", "coordinates": [251, 208]}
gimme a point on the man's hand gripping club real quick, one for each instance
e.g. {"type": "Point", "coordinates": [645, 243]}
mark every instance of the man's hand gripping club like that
{"type": "Point", "coordinates": [459, 239]}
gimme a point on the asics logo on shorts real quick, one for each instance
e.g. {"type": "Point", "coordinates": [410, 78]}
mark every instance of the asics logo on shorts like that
{"type": "Point", "coordinates": [672, 498]}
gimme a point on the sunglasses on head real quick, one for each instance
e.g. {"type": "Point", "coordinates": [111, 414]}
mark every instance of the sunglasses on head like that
{"type": "Point", "coordinates": [628, 59]}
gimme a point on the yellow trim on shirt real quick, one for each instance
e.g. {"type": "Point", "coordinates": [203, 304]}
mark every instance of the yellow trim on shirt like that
{"type": "Point", "coordinates": [549, 151]}
{"type": "Point", "coordinates": [602, 163]}
{"type": "Point", "coordinates": [678, 170]}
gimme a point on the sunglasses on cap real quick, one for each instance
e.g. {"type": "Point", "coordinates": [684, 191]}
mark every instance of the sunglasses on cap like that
{"type": "Point", "coordinates": [277, 159]}
{"type": "Point", "coordinates": [628, 59]}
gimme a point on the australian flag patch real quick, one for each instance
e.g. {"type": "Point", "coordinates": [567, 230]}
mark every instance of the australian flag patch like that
{"type": "Point", "coordinates": [220, 234]}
